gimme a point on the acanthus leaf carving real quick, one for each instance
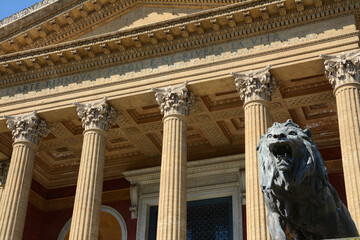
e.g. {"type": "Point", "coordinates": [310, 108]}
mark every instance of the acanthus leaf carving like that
{"type": "Point", "coordinates": [255, 84]}
{"type": "Point", "coordinates": [174, 99]}
{"type": "Point", "coordinates": [27, 127]}
{"type": "Point", "coordinates": [97, 115]}
{"type": "Point", "coordinates": [342, 68]}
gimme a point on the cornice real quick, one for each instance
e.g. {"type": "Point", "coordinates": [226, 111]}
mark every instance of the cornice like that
{"type": "Point", "coordinates": [27, 11]}
{"type": "Point", "coordinates": [194, 31]}
{"type": "Point", "coordinates": [32, 17]}
{"type": "Point", "coordinates": [50, 21]}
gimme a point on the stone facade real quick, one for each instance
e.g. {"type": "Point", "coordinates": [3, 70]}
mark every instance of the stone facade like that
{"type": "Point", "coordinates": [56, 53]}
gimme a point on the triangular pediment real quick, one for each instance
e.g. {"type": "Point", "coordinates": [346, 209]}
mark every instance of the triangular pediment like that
{"type": "Point", "coordinates": [52, 22]}
{"type": "Point", "coordinates": [138, 17]}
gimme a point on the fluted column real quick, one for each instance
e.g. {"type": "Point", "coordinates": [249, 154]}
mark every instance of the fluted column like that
{"type": "Point", "coordinates": [97, 118]}
{"type": "Point", "coordinates": [255, 90]}
{"type": "Point", "coordinates": [344, 75]}
{"type": "Point", "coordinates": [174, 104]}
{"type": "Point", "coordinates": [27, 131]}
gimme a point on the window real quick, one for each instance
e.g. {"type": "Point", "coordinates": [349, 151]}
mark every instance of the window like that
{"type": "Point", "coordinates": [209, 219]}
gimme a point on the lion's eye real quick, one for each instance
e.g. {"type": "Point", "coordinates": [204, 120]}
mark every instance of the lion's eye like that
{"type": "Point", "coordinates": [292, 133]}
{"type": "Point", "coordinates": [269, 135]}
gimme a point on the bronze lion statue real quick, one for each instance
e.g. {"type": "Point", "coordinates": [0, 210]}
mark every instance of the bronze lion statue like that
{"type": "Point", "coordinates": [299, 198]}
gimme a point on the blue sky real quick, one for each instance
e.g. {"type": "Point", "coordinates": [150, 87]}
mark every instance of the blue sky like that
{"type": "Point", "coordinates": [9, 7]}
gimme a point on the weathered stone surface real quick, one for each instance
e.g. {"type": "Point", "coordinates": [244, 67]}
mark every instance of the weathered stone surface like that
{"type": "Point", "coordinates": [97, 118]}
{"type": "Point", "coordinates": [342, 68]}
{"type": "Point", "coordinates": [174, 99]}
{"type": "Point", "coordinates": [174, 103]}
{"type": "Point", "coordinates": [27, 127]}
{"type": "Point", "coordinates": [298, 195]}
{"type": "Point", "coordinates": [97, 115]}
{"type": "Point", "coordinates": [255, 89]}
{"type": "Point", "coordinates": [255, 84]}
{"type": "Point", "coordinates": [343, 72]}
{"type": "Point", "coordinates": [27, 131]}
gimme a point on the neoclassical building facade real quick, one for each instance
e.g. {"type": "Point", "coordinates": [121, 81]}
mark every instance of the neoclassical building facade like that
{"type": "Point", "coordinates": [139, 119]}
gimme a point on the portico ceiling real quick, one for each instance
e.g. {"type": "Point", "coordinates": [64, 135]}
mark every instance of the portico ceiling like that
{"type": "Point", "coordinates": [246, 36]}
{"type": "Point", "coordinates": [215, 125]}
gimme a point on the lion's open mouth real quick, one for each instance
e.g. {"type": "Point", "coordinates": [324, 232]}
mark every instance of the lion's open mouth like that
{"type": "Point", "coordinates": [283, 154]}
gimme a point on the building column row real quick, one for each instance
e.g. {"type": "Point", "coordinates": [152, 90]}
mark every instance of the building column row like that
{"type": "Point", "coordinates": [343, 72]}
{"type": "Point", "coordinates": [255, 89]}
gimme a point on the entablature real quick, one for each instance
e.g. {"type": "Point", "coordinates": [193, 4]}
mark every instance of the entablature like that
{"type": "Point", "coordinates": [236, 21]}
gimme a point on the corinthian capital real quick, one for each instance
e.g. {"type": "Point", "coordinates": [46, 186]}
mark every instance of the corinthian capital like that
{"type": "Point", "coordinates": [174, 100]}
{"type": "Point", "coordinates": [255, 85]}
{"type": "Point", "coordinates": [97, 115]}
{"type": "Point", "coordinates": [343, 68]}
{"type": "Point", "coordinates": [27, 127]}
{"type": "Point", "coordinates": [4, 168]}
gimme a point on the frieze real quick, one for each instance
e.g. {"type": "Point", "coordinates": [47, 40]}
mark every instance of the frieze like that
{"type": "Point", "coordinates": [161, 65]}
{"type": "Point", "coordinates": [249, 30]}
{"type": "Point", "coordinates": [146, 67]}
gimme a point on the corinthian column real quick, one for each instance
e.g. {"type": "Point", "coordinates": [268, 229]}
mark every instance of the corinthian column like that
{"type": "Point", "coordinates": [27, 131]}
{"type": "Point", "coordinates": [344, 75]}
{"type": "Point", "coordinates": [174, 103]}
{"type": "Point", "coordinates": [97, 118]}
{"type": "Point", "coordinates": [255, 89]}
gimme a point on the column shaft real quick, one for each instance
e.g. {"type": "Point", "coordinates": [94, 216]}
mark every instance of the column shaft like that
{"type": "Point", "coordinates": [172, 199]}
{"type": "Point", "coordinates": [348, 107]}
{"type": "Point", "coordinates": [255, 89]}
{"type": "Point", "coordinates": [257, 121]}
{"type": "Point", "coordinates": [86, 214]}
{"type": "Point", "coordinates": [15, 196]}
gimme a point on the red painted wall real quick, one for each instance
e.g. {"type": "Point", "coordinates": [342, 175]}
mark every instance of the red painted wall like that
{"type": "Point", "coordinates": [54, 221]}
{"type": "Point", "coordinates": [244, 221]}
{"type": "Point", "coordinates": [337, 181]}
{"type": "Point", "coordinates": [123, 208]}
{"type": "Point", "coordinates": [32, 228]}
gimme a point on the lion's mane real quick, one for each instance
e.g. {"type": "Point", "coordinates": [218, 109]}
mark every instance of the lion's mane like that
{"type": "Point", "coordinates": [309, 167]}
{"type": "Point", "coordinates": [294, 181]}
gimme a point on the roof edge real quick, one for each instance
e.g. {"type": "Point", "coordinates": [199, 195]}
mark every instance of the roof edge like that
{"type": "Point", "coordinates": [26, 11]}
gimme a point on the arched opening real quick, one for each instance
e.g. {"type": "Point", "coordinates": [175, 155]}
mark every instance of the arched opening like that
{"type": "Point", "coordinates": [112, 226]}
